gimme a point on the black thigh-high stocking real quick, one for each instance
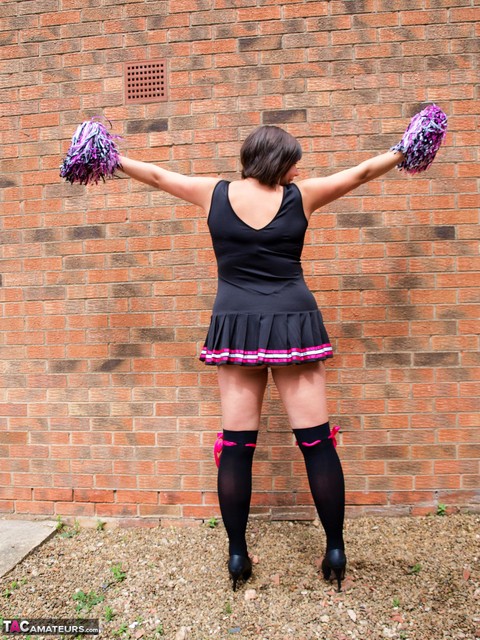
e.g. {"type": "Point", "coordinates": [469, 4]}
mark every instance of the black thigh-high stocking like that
{"type": "Point", "coordinates": [325, 477]}
{"type": "Point", "coordinates": [235, 485]}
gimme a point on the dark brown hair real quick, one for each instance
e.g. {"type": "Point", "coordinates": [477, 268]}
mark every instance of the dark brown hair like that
{"type": "Point", "coordinates": [268, 153]}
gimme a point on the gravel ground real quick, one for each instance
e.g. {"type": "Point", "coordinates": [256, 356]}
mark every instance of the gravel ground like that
{"type": "Point", "coordinates": [407, 578]}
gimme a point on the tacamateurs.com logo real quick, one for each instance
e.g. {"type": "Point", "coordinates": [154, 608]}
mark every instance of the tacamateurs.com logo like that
{"type": "Point", "coordinates": [50, 626]}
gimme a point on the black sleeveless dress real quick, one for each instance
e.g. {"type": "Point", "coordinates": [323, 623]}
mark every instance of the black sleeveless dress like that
{"type": "Point", "coordinates": [264, 313]}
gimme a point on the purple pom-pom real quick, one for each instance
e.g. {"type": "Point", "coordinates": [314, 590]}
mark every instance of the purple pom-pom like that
{"type": "Point", "coordinates": [92, 156]}
{"type": "Point", "coordinates": [422, 139]}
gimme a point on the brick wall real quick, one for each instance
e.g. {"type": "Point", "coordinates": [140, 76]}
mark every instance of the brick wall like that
{"type": "Point", "coordinates": [106, 291]}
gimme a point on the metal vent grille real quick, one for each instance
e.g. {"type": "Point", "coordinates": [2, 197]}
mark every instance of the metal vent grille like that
{"type": "Point", "coordinates": [145, 81]}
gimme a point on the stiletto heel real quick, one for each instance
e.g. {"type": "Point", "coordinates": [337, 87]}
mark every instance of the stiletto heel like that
{"type": "Point", "coordinates": [239, 568]}
{"type": "Point", "coordinates": [334, 562]}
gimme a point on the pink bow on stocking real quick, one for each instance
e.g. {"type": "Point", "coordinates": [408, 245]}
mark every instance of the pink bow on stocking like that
{"type": "Point", "coordinates": [332, 435]}
{"type": "Point", "coordinates": [220, 443]}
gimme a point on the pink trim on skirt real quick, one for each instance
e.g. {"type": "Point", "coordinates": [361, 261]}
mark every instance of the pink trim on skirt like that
{"type": "Point", "coordinates": [266, 356]}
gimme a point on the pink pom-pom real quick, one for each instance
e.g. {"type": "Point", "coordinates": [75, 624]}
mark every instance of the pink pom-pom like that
{"type": "Point", "coordinates": [92, 156]}
{"type": "Point", "coordinates": [422, 139]}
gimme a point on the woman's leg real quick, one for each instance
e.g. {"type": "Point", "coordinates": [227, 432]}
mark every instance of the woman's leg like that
{"type": "Point", "coordinates": [302, 390]}
{"type": "Point", "coordinates": [241, 391]}
{"type": "Point", "coordinates": [241, 395]}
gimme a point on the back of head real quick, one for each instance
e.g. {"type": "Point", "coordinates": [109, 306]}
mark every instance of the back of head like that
{"type": "Point", "coordinates": [268, 153]}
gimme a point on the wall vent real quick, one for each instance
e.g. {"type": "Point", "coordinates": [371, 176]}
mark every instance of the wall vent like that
{"type": "Point", "coordinates": [145, 81]}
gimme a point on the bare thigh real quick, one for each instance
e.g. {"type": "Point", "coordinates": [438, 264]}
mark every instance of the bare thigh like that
{"type": "Point", "coordinates": [302, 391]}
{"type": "Point", "coordinates": [241, 394]}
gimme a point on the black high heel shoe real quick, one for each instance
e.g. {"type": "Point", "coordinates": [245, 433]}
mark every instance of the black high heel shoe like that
{"type": "Point", "coordinates": [334, 562]}
{"type": "Point", "coordinates": [239, 568]}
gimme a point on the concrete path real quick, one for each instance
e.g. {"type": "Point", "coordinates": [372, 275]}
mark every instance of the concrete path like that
{"type": "Point", "coordinates": [19, 537]}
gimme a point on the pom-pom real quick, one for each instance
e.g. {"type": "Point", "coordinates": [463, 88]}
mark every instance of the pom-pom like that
{"type": "Point", "coordinates": [422, 139]}
{"type": "Point", "coordinates": [92, 156]}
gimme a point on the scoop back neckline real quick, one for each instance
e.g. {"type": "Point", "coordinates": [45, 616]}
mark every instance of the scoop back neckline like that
{"type": "Point", "coordinates": [284, 187]}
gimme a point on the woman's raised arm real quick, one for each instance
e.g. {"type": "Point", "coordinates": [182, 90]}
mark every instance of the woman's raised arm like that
{"type": "Point", "coordinates": [198, 191]}
{"type": "Point", "coordinates": [414, 153]}
{"type": "Point", "coordinates": [317, 192]}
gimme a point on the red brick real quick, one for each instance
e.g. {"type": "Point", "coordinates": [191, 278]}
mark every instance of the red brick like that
{"type": "Point", "coordinates": [116, 510]}
{"type": "Point", "coordinates": [461, 496]}
{"type": "Point", "coordinates": [137, 497]}
{"type": "Point", "coordinates": [92, 495]}
{"type": "Point", "coordinates": [7, 506]}
{"type": "Point", "coordinates": [15, 493]}
{"type": "Point", "coordinates": [170, 511]}
{"type": "Point", "coordinates": [75, 509]}
{"type": "Point", "coordinates": [366, 498]}
{"type": "Point", "coordinates": [455, 466]}
{"type": "Point", "coordinates": [412, 497]}
{"type": "Point", "coordinates": [464, 14]}
{"type": "Point", "coordinates": [424, 17]}
{"type": "Point", "coordinates": [34, 508]}
{"type": "Point", "coordinates": [437, 482]}
{"type": "Point", "coordinates": [54, 495]}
